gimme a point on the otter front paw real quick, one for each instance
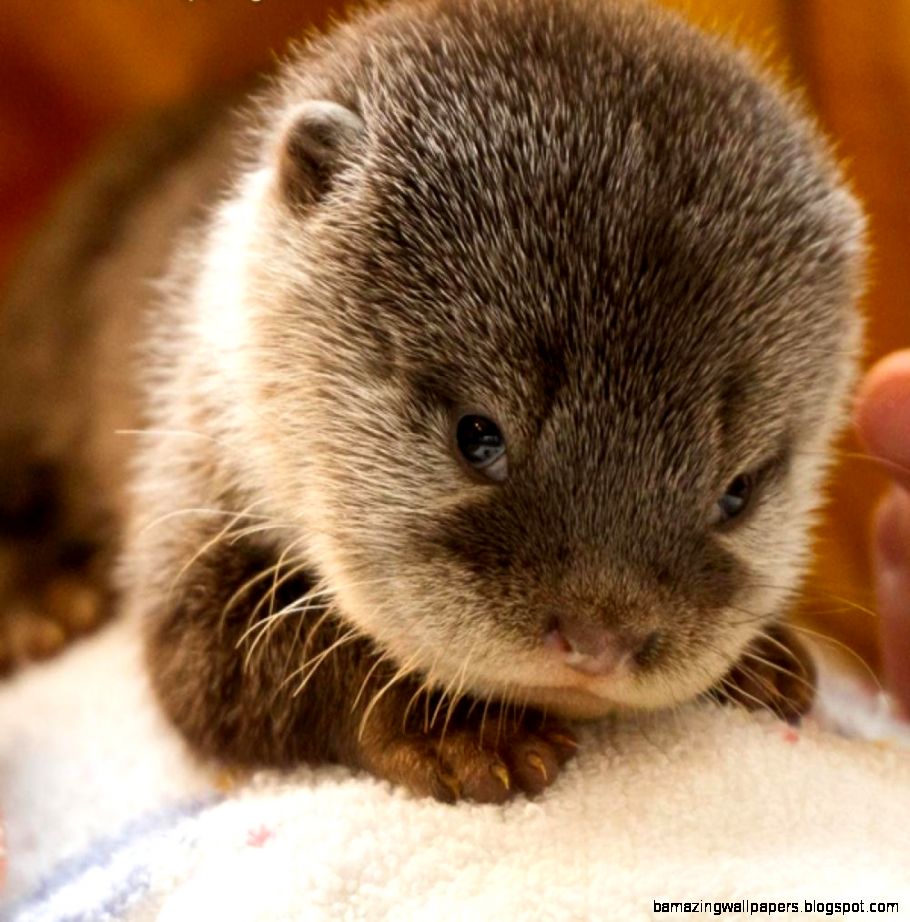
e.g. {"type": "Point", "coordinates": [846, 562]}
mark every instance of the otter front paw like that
{"type": "Point", "coordinates": [39, 619]}
{"type": "Point", "coordinates": [487, 760]}
{"type": "Point", "coordinates": [776, 672]}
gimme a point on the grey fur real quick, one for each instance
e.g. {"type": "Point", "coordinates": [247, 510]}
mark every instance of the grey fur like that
{"type": "Point", "coordinates": [607, 231]}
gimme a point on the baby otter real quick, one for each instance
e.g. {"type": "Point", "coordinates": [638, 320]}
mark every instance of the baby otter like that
{"type": "Point", "coordinates": [490, 383]}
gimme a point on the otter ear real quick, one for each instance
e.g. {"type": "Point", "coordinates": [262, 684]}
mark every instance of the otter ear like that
{"type": "Point", "coordinates": [321, 136]}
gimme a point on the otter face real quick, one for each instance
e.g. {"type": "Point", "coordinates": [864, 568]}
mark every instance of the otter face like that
{"type": "Point", "coordinates": [558, 349]}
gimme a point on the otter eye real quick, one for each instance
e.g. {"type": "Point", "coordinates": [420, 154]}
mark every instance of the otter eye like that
{"type": "Point", "coordinates": [735, 499]}
{"type": "Point", "coordinates": [482, 445]}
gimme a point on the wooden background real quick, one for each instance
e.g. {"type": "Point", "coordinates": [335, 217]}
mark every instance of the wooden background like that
{"type": "Point", "coordinates": [70, 69]}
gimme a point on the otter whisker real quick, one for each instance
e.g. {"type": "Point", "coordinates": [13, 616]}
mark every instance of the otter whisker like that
{"type": "Point", "coordinates": [830, 595]}
{"type": "Point", "coordinates": [456, 697]}
{"type": "Point", "coordinates": [380, 660]}
{"type": "Point", "coordinates": [483, 717]}
{"type": "Point", "coordinates": [764, 683]}
{"type": "Point", "coordinates": [421, 688]}
{"type": "Point", "coordinates": [270, 526]}
{"type": "Point", "coordinates": [777, 642]}
{"type": "Point", "coordinates": [401, 673]}
{"type": "Point", "coordinates": [431, 681]}
{"type": "Point", "coordinates": [297, 566]}
{"type": "Point", "coordinates": [201, 510]}
{"type": "Point", "coordinates": [320, 659]}
{"type": "Point", "coordinates": [264, 626]}
{"type": "Point", "coordinates": [889, 464]}
{"type": "Point", "coordinates": [169, 433]}
{"type": "Point", "coordinates": [307, 641]}
{"type": "Point", "coordinates": [827, 638]}
{"type": "Point", "coordinates": [799, 677]}
{"type": "Point", "coordinates": [424, 690]}
{"type": "Point", "coordinates": [754, 617]}
{"type": "Point", "coordinates": [735, 690]}
{"type": "Point", "coordinates": [206, 547]}
{"type": "Point", "coordinates": [441, 699]}
{"type": "Point", "coordinates": [302, 605]}
{"type": "Point", "coordinates": [238, 594]}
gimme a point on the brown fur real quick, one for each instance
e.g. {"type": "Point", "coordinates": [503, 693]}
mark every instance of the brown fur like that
{"type": "Point", "coordinates": [70, 324]}
{"type": "Point", "coordinates": [585, 220]}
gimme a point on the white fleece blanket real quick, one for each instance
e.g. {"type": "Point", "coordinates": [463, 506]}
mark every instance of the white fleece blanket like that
{"type": "Point", "coordinates": [108, 818]}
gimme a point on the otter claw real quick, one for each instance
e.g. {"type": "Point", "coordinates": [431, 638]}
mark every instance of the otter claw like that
{"type": "Point", "coordinates": [452, 784]}
{"type": "Point", "coordinates": [484, 764]}
{"type": "Point", "coordinates": [538, 765]}
{"type": "Point", "coordinates": [561, 739]}
{"type": "Point", "coordinates": [502, 774]}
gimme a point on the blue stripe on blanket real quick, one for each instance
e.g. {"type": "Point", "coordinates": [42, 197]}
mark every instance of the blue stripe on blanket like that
{"type": "Point", "coordinates": [98, 855]}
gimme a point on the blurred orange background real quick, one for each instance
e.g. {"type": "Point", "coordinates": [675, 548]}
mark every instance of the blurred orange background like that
{"type": "Point", "coordinates": [72, 69]}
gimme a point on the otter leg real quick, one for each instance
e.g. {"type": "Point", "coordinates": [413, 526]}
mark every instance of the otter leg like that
{"type": "Point", "coordinates": [55, 552]}
{"type": "Point", "coordinates": [255, 675]}
{"type": "Point", "coordinates": [462, 751]}
{"type": "Point", "coordinates": [775, 672]}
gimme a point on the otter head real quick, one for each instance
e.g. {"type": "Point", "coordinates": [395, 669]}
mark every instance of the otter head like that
{"type": "Point", "coordinates": [554, 322]}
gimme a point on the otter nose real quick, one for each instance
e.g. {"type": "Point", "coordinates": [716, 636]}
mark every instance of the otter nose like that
{"type": "Point", "coordinates": [596, 650]}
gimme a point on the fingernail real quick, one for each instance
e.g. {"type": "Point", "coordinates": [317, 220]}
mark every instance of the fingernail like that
{"type": "Point", "coordinates": [893, 593]}
{"type": "Point", "coordinates": [883, 412]}
{"type": "Point", "coordinates": [892, 521]}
